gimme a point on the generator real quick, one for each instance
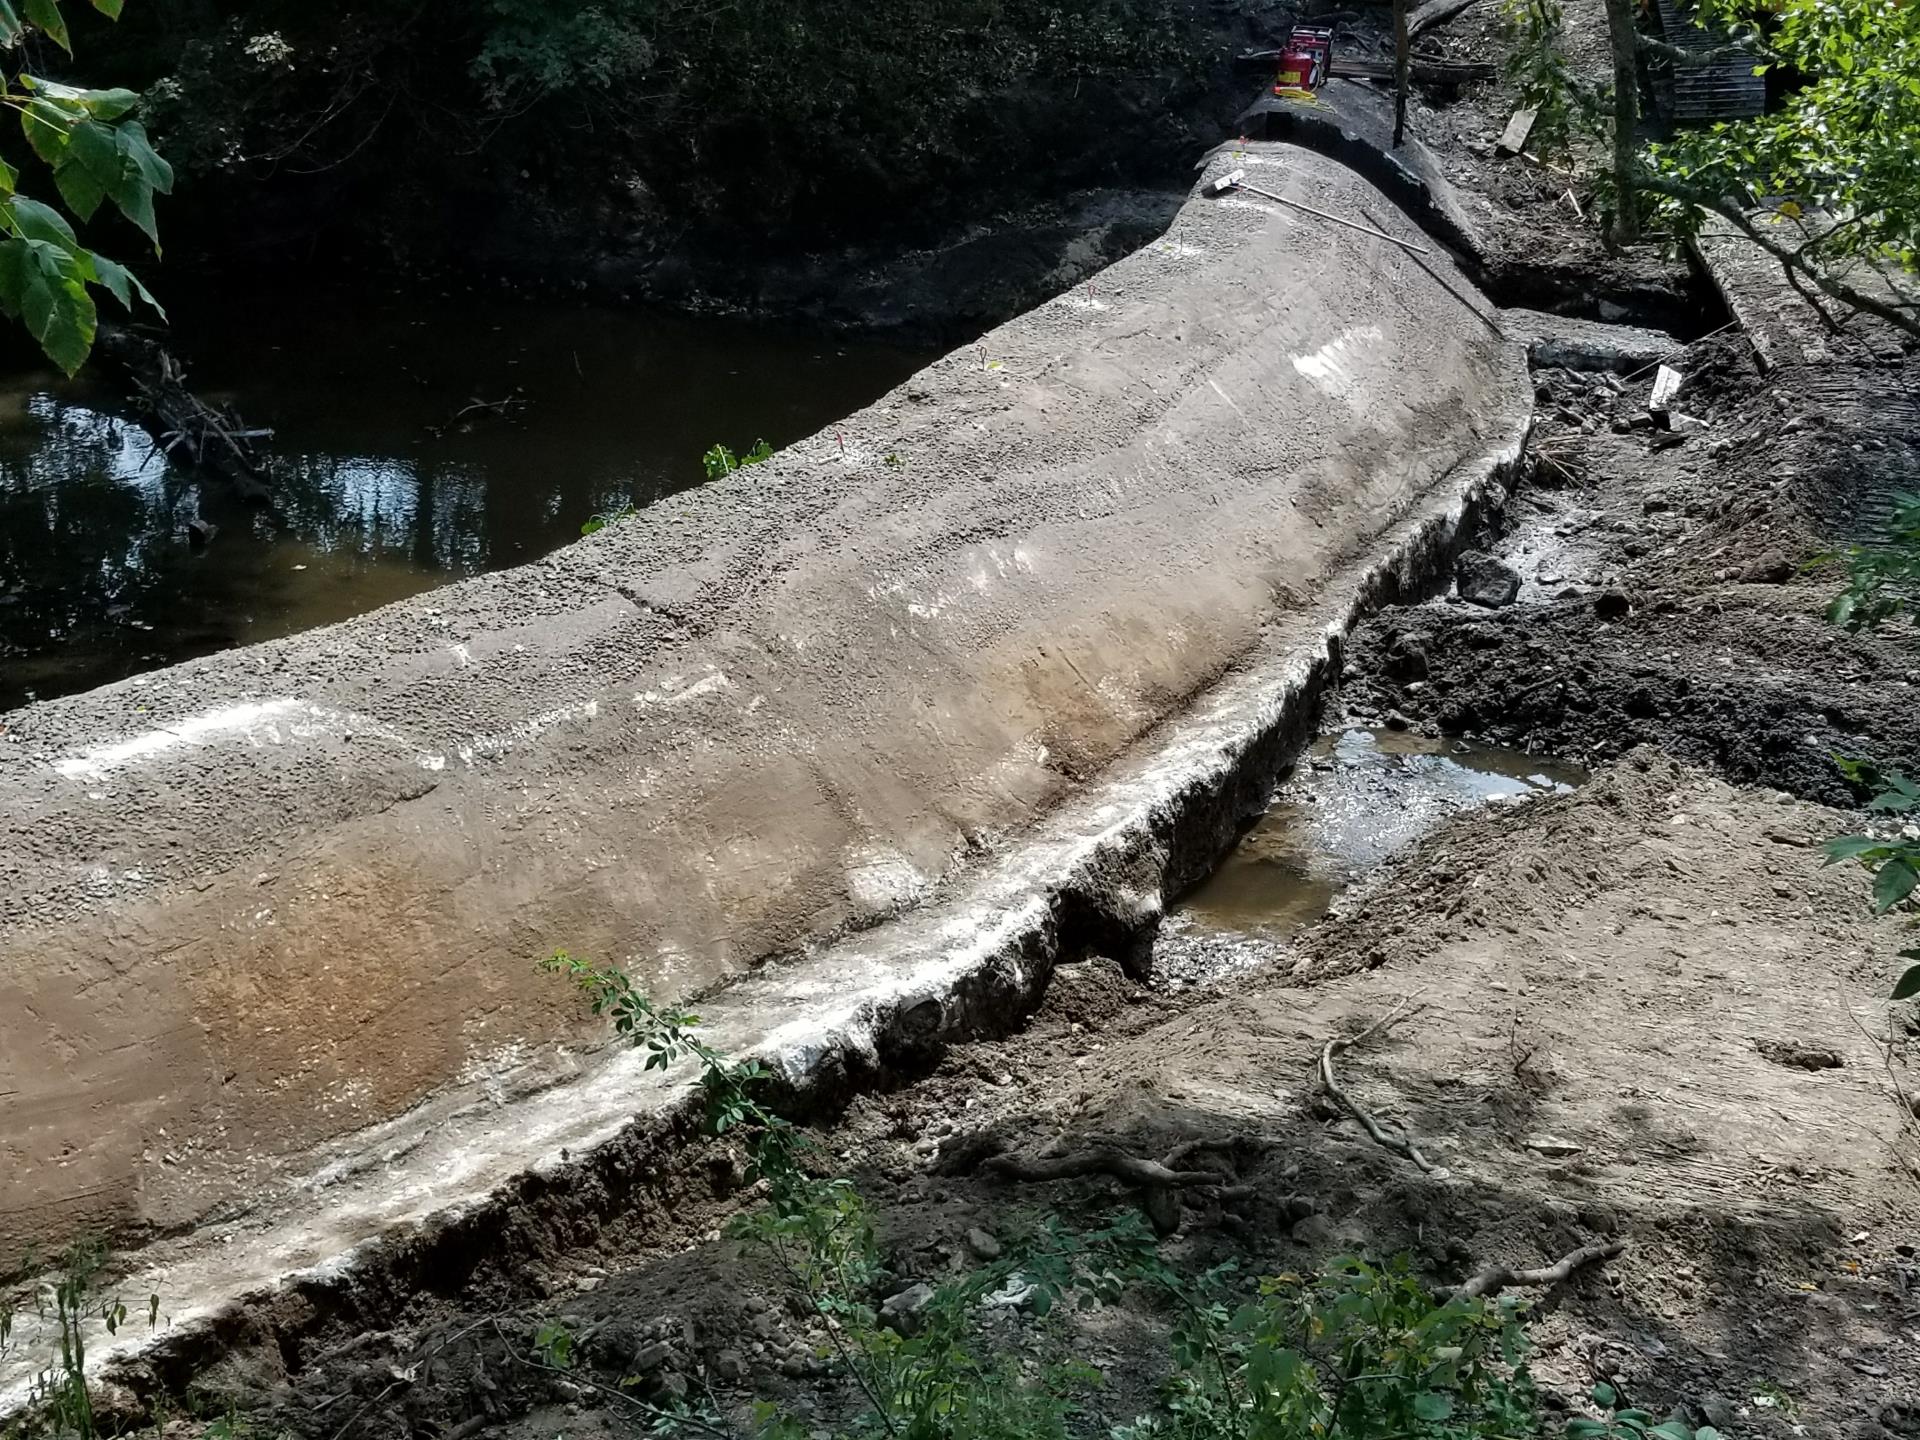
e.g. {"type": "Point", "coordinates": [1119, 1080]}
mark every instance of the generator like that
{"type": "Point", "coordinates": [1305, 60]}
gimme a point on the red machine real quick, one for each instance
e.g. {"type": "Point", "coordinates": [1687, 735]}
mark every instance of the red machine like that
{"type": "Point", "coordinates": [1305, 61]}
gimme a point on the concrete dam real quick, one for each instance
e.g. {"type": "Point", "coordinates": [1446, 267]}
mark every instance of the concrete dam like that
{"type": "Point", "coordinates": [818, 740]}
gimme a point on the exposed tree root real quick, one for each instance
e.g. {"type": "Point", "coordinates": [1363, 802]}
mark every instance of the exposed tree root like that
{"type": "Point", "coordinates": [1102, 1161]}
{"type": "Point", "coordinates": [1399, 1144]}
{"type": "Point", "coordinates": [1495, 1278]}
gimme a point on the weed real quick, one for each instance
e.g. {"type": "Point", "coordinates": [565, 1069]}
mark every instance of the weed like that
{"type": "Point", "coordinates": [721, 462]}
{"type": "Point", "coordinates": [61, 1404]}
{"type": "Point", "coordinates": [1882, 584]}
{"type": "Point", "coordinates": [600, 520]}
{"type": "Point", "coordinates": [1883, 579]}
{"type": "Point", "coordinates": [1624, 1422]}
{"type": "Point", "coordinates": [1359, 1352]}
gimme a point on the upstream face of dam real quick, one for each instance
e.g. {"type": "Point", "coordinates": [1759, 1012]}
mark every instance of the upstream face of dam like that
{"type": "Point", "coordinates": [260, 907]}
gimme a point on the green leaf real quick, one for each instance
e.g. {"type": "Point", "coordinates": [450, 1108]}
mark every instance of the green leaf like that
{"type": "Point", "coordinates": [135, 201]}
{"type": "Point", "coordinates": [1672, 1430]}
{"type": "Point", "coordinates": [45, 286]}
{"type": "Point", "coordinates": [1604, 1395]}
{"type": "Point", "coordinates": [81, 189]}
{"type": "Point", "coordinates": [1909, 983]}
{"type": "Point", "coordinates": [135, 146]}
{"type": "Point", "coordinates": [1433, 1405]}
{"type": "Point", "coordinates": [33, 221]}
{"type": "Point", "coordinates": [1893, 884]}
{"type": "Point", "coordinates": [10, 27]}
{"type": "Point", "coordinates": [46, 14]}
{"type": "Point", "coordinates": [46, 124]}
{"type": "Point", "coordinates": [1850, 847]}
{"type": "Point", "coordinates": [108, 8]}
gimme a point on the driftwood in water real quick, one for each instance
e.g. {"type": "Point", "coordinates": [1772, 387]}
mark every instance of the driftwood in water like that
{"type": "Point", "coordinates": [192, 432]}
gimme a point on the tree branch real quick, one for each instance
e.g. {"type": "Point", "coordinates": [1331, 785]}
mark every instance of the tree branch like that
{"type": "Point", "coordinates": [1495, 1278]}
{"type": "Point", "coordinates": [1736, 215]}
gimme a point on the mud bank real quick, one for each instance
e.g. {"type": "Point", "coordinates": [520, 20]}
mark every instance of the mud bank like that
{"type": "Point", "coordinates": [265, 902]}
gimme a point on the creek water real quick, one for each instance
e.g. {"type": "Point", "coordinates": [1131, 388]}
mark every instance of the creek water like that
{"type": "Point", "coordinates": [386, 488]}
{"type": "Point", "coordinates": [1356, 799]}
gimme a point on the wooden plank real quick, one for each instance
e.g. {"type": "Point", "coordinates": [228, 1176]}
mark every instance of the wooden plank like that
{"type": "Point", "coordinates": [1519, 127]}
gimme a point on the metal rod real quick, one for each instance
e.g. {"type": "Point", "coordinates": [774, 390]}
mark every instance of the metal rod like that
{"type": "Point", "coordinates": [1336, 219]}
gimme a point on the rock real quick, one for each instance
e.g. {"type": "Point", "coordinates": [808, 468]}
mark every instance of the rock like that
{"type": "Point", "coordinates": [730, 1365]}
{"type": "Point", "coordinates": [1407, 658]}
{"type": "Point", "coordinates": [674, 1385]}
{"type": "Point", "coordinates": [1316, 1232]}
{"type": "Point", "coordinates": [983, 1244]}
{"type": "Point", "coordinates": [1553, 1146]}
{"type": "Point", "coordinates": [1772, 568]}
{"type": "Point", "coordinates": [1486, 581]}
{"type": "Point", "coordinates": [1612, 605]}
{"type": "Point", "coordinates": [650, 1357]}
{"type": "Point", "coordinates": [1162, 1204]}
{"type": "Point", "coordinates": [1797, 1056]}
{"type": "Point", "coordinates": [903, 1313]}
{"type": "Point", "coordinates": [1611, 313]}
{"type": "Point", "coordinates": [201, 532]}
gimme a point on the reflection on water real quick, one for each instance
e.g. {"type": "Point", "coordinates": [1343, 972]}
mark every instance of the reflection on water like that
{"type": "Point", "coordinates": [390, 469]}
{"type": "Point", "coordinates": [1356, 799]}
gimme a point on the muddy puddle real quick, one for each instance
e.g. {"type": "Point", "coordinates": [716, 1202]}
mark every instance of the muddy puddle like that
{"type": "Point", "coordinates": [1356, 799]}
{"type": "Point", "coordinates": [415, 441]}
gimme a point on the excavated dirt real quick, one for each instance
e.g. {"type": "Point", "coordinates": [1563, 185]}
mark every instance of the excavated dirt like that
{"type": "Point", "coordinates": [1615, 986]}
{"type": "Point", "coordinates": [1672, 591]}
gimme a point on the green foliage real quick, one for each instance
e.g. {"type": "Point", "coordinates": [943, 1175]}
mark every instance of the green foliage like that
{"type": "Point", "coordinates": [60, 1403]}
{"type": "Point", "coordinates": [1361, 1352]}
{"type": "Point", "coordinates": [1883, 579]}
{"type": "Point", "coordinates": [721, 462]}
{"type": "Point", "coordinates": [599, 521]}
{"type": "Point", "coordinates": [1536, 66]}
{"type": "Point", "coordinates": [1888, 853]}
{"type": "Point", "coordinates": [555, 1344]}
{"type": "Point", "coordinates": [94, 154]}
{"type": "Point", "coordinates": [1625, 1422]}
{"type": "Point", "coordinates": [1840, 150]}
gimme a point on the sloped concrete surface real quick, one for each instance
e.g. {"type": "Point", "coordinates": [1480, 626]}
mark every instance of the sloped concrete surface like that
{"type": "Point", "coordinates": [257, 906]}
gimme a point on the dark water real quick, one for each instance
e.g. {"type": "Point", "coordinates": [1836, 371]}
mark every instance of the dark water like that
{"type": "Point", "coordinates": [1356, 799]}
{"type": "Point", "coordinates": [386, 489]}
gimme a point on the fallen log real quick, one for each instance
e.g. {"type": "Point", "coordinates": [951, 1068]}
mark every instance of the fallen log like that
{"type": "Point", "coordinates": [191, 432]}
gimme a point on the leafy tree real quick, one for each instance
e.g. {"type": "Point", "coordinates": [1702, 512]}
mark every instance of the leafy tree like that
{"type": "Point", "coordinates": [94, 152]}
{"type": "Point", "coordinates": [1836, 167]}
{"type": "Point", "coordinates": [1825, 182]}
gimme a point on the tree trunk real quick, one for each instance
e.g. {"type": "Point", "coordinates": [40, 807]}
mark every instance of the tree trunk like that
{"type": "Point", "coordinates": [1402, 50]}
{"type": "Point", "coordinates": [1626, 118]}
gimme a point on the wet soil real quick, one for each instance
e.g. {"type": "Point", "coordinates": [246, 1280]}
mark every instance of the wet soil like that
{"type": "Point", "coordinates": [1672, 592]}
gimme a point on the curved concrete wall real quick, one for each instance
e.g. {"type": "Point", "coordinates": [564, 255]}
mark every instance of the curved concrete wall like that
{"type": "Point", "coordinates": [260, 901]}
